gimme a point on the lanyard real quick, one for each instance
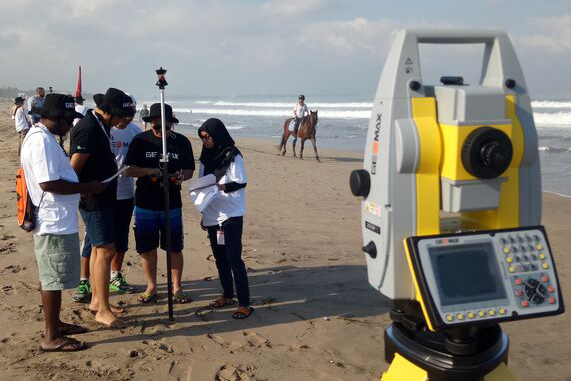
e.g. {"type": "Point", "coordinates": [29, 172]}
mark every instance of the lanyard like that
{"type": "Point", "coordinates": [102, 126]}
{"type": "Point", "coordinates": [104, 131]}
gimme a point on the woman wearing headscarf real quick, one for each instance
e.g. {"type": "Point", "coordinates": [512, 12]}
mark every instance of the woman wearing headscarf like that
{"type": "Point", "coordinates": [223, 216]}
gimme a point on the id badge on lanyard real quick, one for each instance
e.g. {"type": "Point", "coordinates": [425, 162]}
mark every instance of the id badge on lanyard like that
{"type": "Point", "coordinates": [220, 236]}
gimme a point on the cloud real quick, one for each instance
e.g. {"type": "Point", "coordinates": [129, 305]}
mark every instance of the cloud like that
{"type": "Point", "coordinates": [293, 7]}
{"type": "Point", "coordinates": [555, 34]}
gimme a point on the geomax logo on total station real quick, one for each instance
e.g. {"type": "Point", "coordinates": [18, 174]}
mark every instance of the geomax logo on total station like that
{"type": "Point", "coordinates": [376, 144]}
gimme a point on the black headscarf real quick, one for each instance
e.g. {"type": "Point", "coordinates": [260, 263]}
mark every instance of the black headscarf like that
{"type": "Point", "coordinates": [217, 159]}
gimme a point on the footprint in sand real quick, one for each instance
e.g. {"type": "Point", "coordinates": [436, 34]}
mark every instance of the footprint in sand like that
{"type": "Point", "coordinates": [257, 340]}
{"type": "Point", "coordinates": [8, 290]}
{"type": "Point", "coordinates": [232, 345]}
{"type": "Point", "coordinates": [236, 372]}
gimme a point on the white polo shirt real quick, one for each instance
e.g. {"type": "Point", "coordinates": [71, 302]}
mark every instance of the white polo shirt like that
{"type": "Point", "coordinates": [226, 205]}
{"type": "Point", "coordinates": [44, 160]}
{"type": "Point", "coordinates": [300, 111]}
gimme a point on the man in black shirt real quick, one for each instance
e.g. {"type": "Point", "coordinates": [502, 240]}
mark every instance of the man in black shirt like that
{"type": "Point", "coordinates": [143, 159]}
{"type": "Point", "coordinates": [92, 159]}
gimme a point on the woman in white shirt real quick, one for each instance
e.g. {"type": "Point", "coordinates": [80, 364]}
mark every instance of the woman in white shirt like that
{"type": "Point", "coordinates": [223, 217]}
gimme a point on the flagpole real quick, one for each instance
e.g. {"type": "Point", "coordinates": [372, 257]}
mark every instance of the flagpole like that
{"type": "Point", "coordinates": [161, 83]}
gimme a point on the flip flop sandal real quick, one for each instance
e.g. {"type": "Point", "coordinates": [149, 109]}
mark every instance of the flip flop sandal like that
{"type": "Point", "coordinates": [70, 345]}
{"type": "Point", "coordinates": [147, 297]}
{"type": "Point", "coordinates": [221, 302]}
{"type": "Point", "coordinates": [72, 329]}
{"type": "Point", "coordinates": [243, 313]}
{"type": "Point", "coordinates": [181, 298]}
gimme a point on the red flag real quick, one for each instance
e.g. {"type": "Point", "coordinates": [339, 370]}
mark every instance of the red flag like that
{"type": "Point", "coordinates": [78, 91]}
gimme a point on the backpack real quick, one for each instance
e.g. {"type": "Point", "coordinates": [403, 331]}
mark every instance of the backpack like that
{"type": "Point", "coordinates": [27, 211]}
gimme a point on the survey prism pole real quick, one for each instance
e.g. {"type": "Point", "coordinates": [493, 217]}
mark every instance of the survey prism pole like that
{"type": "Point", "coordinates": [161, 83]}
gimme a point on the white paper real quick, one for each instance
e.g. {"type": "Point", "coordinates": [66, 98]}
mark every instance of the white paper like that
{"type": "Point", "coordinates": [201, 182]}
{"type": "Point", "coordinates": [123, 169]}
{"type": "Point", "coordinates": [202, 197]}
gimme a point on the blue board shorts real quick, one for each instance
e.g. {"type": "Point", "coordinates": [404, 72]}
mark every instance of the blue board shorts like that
{"type": "Point", "coordinates": [150, 230]}
{"type": "Point", "coordinates": [123, 212]}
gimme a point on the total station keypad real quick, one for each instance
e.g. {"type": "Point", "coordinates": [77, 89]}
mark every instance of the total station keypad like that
{"type": "Point", "coordinates": [527, 262]}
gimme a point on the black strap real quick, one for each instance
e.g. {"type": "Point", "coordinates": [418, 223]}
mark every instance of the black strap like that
{"type": "Point", "coordinates": [234, 186]}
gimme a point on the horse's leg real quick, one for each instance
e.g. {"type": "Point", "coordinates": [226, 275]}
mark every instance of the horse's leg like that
{"type": "Point", "coordinates": [281, 145]}
{"type": "Point", "coordinates": [294, 141]}
{"type": "Point", "coordinates": [285, 138]}
{"type": "Point", "coordinates": [314, 143]}
{"type": "Point", "coordinates": [301, 149]}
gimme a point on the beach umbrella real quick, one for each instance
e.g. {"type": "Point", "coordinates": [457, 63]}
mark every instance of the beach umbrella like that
{"type": "Point", "coordinates": [161, 83]}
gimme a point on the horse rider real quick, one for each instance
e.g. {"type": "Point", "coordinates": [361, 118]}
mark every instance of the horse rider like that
{"type": "Point", "coordinates": [300, 110]}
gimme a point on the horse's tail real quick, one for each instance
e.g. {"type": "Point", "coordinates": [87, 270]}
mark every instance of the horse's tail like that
{"type": "Point", "coordinates": [286, 126]}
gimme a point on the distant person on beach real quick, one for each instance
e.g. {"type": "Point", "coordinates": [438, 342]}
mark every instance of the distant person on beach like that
{"type": "Point", "coordinates": [79, 108]}
{"type": "Point", "coordinates": [20, 121]}
{"type": "Point", "coordinates": [54, 187]}
{"type": "Point", "coordinates": [300, 111]}
{"type": "Point", "coordinates": [121, 137]}
{"type": "Point", "coordinates": [223, 216]}
{"type": "Point", "coordinates": [35, 104]}
{"type": "Point", "coordinates": [93, 159]}
{"type": "Point", "coordinates": [143, 159]}
{"type": "Point", "coordinates": [143, 113]}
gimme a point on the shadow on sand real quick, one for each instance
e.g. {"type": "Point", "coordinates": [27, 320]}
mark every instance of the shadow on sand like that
{"type": "Point", "coordinates": [280, 295]}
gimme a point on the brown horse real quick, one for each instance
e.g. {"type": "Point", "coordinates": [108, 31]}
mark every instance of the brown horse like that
{"type": "Point", "coordinates": [307, 131]}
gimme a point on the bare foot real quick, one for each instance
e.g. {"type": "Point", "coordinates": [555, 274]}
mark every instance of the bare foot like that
{"type": "Point", "coordinates": [114, 309]}
{"type": "Point", "coordinates": [109, 319]}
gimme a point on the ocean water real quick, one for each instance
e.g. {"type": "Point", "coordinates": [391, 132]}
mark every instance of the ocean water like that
{"type": "Point", "coordinates": [343, 122]}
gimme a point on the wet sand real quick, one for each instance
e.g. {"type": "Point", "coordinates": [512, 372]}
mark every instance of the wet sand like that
{"type": "Point", "coordinates": [316, 316]}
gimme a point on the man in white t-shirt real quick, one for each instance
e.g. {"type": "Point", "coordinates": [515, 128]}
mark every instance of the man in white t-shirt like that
{"type": "Point", "coordinates": [300, 110]}
{"type": "Point", "coordinates": [35, 104]}
{"type": "Point", "coordinates": [20, 121]}
{"type": "Point", "coordinates": [54, 188]}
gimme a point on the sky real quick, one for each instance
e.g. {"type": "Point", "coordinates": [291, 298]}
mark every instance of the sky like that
{"type": "Point", "coordinates": [241, 47]}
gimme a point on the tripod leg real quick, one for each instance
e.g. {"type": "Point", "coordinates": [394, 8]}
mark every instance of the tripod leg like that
{"type": "Point", "coordinates": [402, 369]}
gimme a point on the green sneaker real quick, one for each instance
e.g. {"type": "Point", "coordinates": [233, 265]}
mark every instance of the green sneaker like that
{"type": "Point", "coordinates": [119, 284]}
{"type": "Point", "coordinates": [83, 292]}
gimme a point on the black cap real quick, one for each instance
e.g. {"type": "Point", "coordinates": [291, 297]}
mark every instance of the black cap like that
{"type": "Point", "coordinates": [117, 103]}
{"type": "Point", "coordinates": [79, 98]}
{"type": "Point", "coordinates": [301, 96]}
{"type": "Point", "coordinates": [155, 112]}
{"type": "Point", "coordinates": [18, 100]}
{"type": "Point", "coordinates": [57, 105]}
{"type": "Point", "coordinates": [98, 99]}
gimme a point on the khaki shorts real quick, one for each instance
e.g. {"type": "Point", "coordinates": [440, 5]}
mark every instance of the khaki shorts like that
{"type": "Point", "coordinates": [59, 261]}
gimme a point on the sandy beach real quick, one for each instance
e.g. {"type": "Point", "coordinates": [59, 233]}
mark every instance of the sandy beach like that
{"type": "Point", "coordinates": [316, 316]}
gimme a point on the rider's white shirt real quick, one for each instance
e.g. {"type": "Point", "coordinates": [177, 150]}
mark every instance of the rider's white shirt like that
{"type": "Point", "coordinates": [300, 111]}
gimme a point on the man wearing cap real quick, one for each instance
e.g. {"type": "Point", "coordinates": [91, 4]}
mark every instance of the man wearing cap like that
{"type": "Point", "coordinates": [93, 159]}
{"type": "Point", "coordinates": [21, 122]}
{"type": "Point", "coordinates": [54, 188]}
{"type": "Point", "coordinates": [35, 104]}
{"type": "Point", "coordinates": [143, 160]}
{"type": "Point", "coordinates": [300, 111]}
{"type": "Point", "coordinates": [121, 137]}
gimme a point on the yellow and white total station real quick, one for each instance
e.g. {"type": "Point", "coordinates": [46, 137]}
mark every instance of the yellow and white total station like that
{"type": "Point", "coordinates": [451, 211]}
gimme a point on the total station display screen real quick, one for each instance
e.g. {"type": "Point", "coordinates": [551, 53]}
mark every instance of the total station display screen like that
{"type": "Point", "coordinates": [466, 273]}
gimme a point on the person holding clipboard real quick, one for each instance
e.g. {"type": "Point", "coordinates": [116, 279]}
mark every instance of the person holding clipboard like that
{"type": "Point", "coordinates": [223, 216]}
